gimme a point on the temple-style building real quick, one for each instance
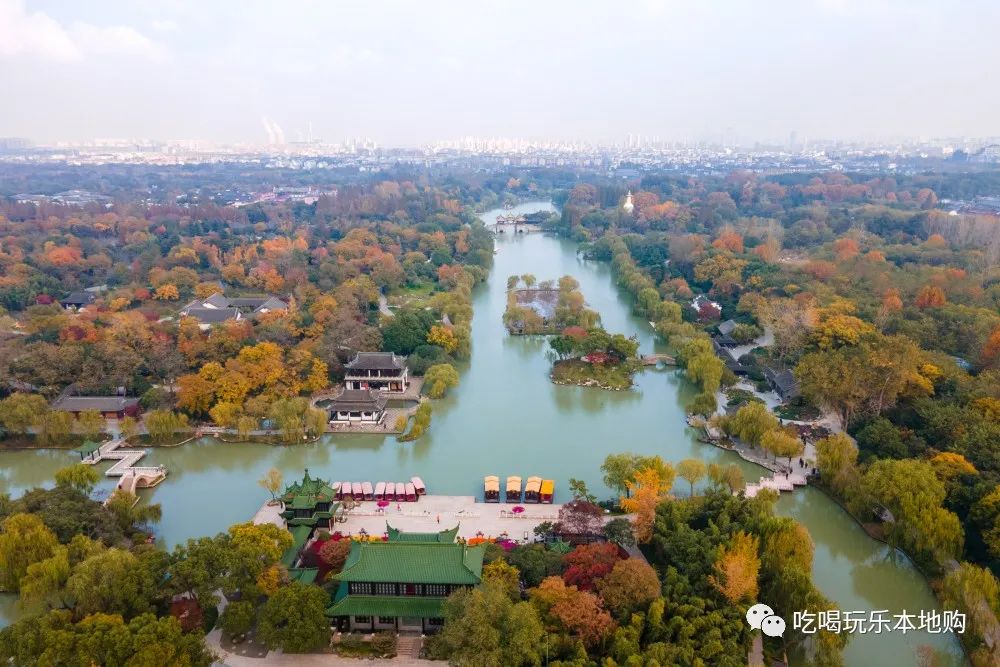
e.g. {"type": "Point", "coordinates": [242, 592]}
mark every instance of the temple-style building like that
{"type": "Point", "coordinates": [383, 371]}
{"type": "Point", "coordinates": [308, 505]}
{"type": "Point", "coordinates": [401, 584]}
{"type": "Point", "coordinates": [358, 406]}
{"type": "Point", "coordinates": [310, 502]}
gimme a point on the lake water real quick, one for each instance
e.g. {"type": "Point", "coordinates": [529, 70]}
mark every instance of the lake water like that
{"type": "Point", "coordinates": [507, 418]}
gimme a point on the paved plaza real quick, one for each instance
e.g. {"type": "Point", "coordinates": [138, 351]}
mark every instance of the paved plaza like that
{"type": "Point", "coordinates": [434, 513]}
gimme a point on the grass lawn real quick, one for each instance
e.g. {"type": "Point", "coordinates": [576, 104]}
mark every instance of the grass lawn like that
{"type": "Point", "coordinates": [605, 376]}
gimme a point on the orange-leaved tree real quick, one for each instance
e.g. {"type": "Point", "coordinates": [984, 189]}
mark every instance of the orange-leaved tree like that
{"type": "Point", "coordinates": [649, 487]}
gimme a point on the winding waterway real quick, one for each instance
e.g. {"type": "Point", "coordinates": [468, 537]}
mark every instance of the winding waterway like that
{"type": "Point", "coordinates": [507, 418]}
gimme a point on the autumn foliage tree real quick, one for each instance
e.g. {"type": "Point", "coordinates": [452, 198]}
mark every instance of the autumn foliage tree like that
{"type": "Point", "coordinates": [588, 563]}
{"type": "Point", "coordinates": [577, 612]}
{"type": "Point", "coordinates": [630, 587]}
{"type": "Point", "coordinates": [737, 568]}
{"type": "Point", "coordinates": [930, 296]}
{"type": "Point", "coordinates": [647, 490]}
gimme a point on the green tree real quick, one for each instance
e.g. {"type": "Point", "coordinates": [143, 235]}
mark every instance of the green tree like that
{"type": "Point", "coordinates": [238, 617]}
{"type": "Point", "coordinates": [580, 491]}
{"type": "Point", "coordinates": [102, 639]}
{"type": "Point", "coordinates": [197, 568]}
{"type": "Point", "coordinates": [54, 426]}
{"type": "Point", "coordinates": [245, 426]}
{"type": "Point", "coordinates": [975, 592]}
{"type": "Point", "coordinates": [751, 422]}
{"type": "Point", "coordinates": [294, 619]}
{"type": "Point", "coordinates": [128, 427]}
{"type": "Point", "coordinates": [19, 412]}
{"type": "Point", "coordinates": [24, 540]}
{"type": "Point", "coordinates": [113, 581]}
{"type": "Point", "coordinates": [692, 470]}
{"type": "Point", "coordinates": [162, 424]}
{"type": "Point", "coordinates": [780, 443]}
{"type": "Point", "coordinates": [837, 462]}
{"type": "Point", "coordinates": [535, 562]}
{"type": "Point", "coordinates": [80, 476]}
{"type": "Point", "coordinates": [252, 549]}
{"type": "Point", "coordinates": [405, 331]}
{"type": "Point", "coordinates": [619, 531]}
{"type": "Point", "coordinates": [129, 513]}
{"type": "Point", "coordinates": [439, 379]}
{"type": "Point", "coordinates": [483, 626]}
{"type": "Point", "coordinates": [504, 575]}
{"type": "Point", "coordinates": [315, 421]}
{"type": "Point", "coordinates": [619, 469]}
{"type": "Point", "coordinates": [91, 424]}
{"type": "Point", "coordinates": [43, 582]}
{"type": "Point", "coordinates": [912, 493]}
{"type": "Point", "coordinates": [421, 422]}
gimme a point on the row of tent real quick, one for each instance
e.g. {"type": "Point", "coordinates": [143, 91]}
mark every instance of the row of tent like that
{"type": "Point", "coordinates": [536, 489]}
{"type": "Point", "coordinates": [383, 491]}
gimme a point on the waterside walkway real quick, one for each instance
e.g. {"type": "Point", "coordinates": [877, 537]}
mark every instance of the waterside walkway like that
{"type": "Point", "coordinates": [131, 476]}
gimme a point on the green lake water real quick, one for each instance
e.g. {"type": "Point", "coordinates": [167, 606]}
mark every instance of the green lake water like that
{"type": "Point", "coordinates": [507, 418]}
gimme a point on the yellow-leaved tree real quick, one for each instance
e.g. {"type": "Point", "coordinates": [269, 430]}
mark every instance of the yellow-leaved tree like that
{"type": "Point", "coordinates": [646, 490]}
{"type": "Point", "coordinates": [737, 568]}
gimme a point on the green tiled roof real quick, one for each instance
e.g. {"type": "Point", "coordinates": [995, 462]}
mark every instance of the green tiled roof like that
{"type": "Point", "coordinates": [301, 502]}
{"type": "Point", "coordinates": [414, 562]}
{"type": "Point", "coordinates": [445, 536]}
{"type": "Point", "coordinates": [315, 490]}
{"type": "Point", "coordinates": [305, 575]}
{"type": "Point", "coordinates": [300, 534]}
{"type": "Point", "coordinates": [370, 605]}
{"type": "Point", "coordinates": [88, 447]}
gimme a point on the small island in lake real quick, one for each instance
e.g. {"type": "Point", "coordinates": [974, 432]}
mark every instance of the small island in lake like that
{"type": "Point", "coordinates": [545, 308]}
{"type": "Point", "coordinates": [595, 358]}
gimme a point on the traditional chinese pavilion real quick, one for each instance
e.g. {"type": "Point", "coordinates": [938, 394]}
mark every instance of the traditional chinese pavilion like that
{"type": "Point", "coordinates": [310, 502]}
{"type": "Point", "coordinates": [383, 371]}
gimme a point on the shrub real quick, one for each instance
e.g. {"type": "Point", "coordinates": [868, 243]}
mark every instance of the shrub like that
{"type": "Point", "coordinates": [384, 644]}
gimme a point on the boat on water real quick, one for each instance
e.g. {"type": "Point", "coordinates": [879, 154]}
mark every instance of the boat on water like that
{"type": "Point", "coordinates": [513, 489]}
{"type": "Point", "coordinates": [491, 489]}
{"type": "Point", "coordinates": [380, 491]}
{"type": "Point", "coordinates": [390, 491]}
{"type": "Point", "coordinates": [418, 484]}
{"type": "Point", "coordinates": [366, 489]}
{"type": "Point", "coordinates": [546, 491]}
{"type": "Point", "coordinates": [532, 488]}
{"type": "Point", "coordinates": [411, 493]}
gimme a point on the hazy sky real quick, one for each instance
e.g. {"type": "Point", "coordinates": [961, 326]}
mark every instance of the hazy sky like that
{"type": "Point", "coordinates": [411, 72]}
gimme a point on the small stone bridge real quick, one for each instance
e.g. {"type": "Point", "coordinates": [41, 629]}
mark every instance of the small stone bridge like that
{"type": "Point", "coordinates": [132, 477]}
{"type": "Point", "coordinates": [654, 359]}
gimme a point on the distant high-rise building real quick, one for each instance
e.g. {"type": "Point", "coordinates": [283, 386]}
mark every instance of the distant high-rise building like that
{"type": "Point", "coordinates": [14, 143]}
{"type": "Point", "coordinates": [793, 139]}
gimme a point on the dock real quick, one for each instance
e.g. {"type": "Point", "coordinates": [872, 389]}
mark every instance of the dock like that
{"type": "Point", "coordinates": [131, 476]}
{"type": "Point", "coordinates": [430, 514]}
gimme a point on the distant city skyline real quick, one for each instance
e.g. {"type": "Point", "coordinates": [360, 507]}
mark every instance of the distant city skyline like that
{"type": "Point", "coordinates": [411, 74]}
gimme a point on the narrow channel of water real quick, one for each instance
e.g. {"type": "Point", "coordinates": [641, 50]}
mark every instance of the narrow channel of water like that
{"type": "Point", "coordinates": [507, 418]}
